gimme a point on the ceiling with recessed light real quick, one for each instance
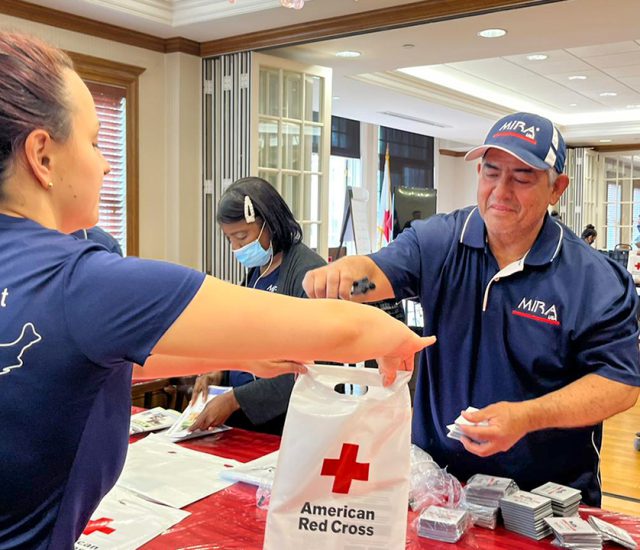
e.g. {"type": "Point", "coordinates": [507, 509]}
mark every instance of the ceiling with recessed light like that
{"type": "Point", "coordinates": [442, 78]}
{"type": "Point", "coordinates": [577, 62]}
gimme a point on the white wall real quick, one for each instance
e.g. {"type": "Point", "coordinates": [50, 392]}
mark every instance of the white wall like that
{"type": "Point", "coordinates": [169, 144]}
{"type": "Point", "coordinates": [455, 180]}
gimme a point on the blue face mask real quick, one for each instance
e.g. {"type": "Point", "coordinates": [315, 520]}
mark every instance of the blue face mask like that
{"type": "Point", "coordinates": [252, 254]}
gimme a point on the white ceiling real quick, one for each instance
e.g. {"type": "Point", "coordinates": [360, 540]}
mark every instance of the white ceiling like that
{"type": "Point", "coordinates": [470, 81]}
{"type": "Point", "coordinates": [204, 20]}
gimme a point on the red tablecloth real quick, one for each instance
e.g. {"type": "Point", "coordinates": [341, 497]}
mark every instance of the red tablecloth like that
{"type": "Point", "coordinates": [230, 519]}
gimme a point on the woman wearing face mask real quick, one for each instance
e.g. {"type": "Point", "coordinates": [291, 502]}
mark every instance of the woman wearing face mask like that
{"type": "Point", "coordinates": [267, 240]}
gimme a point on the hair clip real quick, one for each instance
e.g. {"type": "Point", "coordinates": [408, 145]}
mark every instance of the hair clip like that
{"type": "Point", "coordinates": [249, 211]}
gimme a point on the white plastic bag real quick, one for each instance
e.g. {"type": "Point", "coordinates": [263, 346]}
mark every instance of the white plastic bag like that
{"type": "Point", "coordinates": [342, 479]}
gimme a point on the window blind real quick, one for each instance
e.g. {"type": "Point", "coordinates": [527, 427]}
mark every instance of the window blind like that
{"type": "Point", "coordinates": [410, 158]}
{"type": "Point", "coordinates": [345, 137]}
{"type": "Point", "coordinates": [111, 108]}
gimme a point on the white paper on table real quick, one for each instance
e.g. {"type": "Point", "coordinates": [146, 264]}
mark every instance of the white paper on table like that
{"type": "Point", "coordinates": [167, 473]}
{"type": "Point", "coordinates": [124, 521]}
{"type": "Point", "coordinates": [260, 471]}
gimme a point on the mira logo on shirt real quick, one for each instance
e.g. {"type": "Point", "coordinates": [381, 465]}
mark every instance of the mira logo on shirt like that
{"type": "Point", "coordinates": [537, 310]}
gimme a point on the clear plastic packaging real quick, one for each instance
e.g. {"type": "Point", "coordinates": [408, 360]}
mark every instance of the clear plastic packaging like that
{"type": "Point", "coordinates": [445, 524]}
{"type": "Point", "coordinates": [482, 516]}
{"type": "Point", "coordinates": [263, 496]}
{"type": "Point", "coordinates": [431, 485]}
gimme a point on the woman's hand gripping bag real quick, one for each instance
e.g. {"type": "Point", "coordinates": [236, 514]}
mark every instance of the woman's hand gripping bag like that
{"type": "Point", "coordinates": [342, 480]}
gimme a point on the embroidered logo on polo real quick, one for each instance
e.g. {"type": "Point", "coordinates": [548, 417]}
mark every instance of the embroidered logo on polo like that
{"type": "Point", "coordinates": [537, 310]}
{"type": "Point", "coordinates": [518, 129]}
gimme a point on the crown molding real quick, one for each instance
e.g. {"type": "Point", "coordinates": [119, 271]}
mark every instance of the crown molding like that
{"type": "Point", "coordinates": [84, 25]}
{"type": "Point", "coordinates": [182, 45]}
{"type": "Point", "coordinates": [426, 11]}
{"type": "Point", "coordinates": [175, 13]}
{"type": "Point", "coordinates": [622, 147]}
{"type": "Point", "coordinates": [602, 129]}
{"type": "Point", "coordinates": [414, 13]}
{"type": "Point", "coordinates": [451, 153]}
{"type": "Point", "coordinates": [160, 11]}
{"type": "Point", "coordinates": [187, 12]}
{"type": "Point", "coordinates": [434, 93]}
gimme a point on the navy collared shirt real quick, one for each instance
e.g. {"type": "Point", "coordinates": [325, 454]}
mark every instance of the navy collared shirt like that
{"type": "Point", "coordinates": [559, 313]}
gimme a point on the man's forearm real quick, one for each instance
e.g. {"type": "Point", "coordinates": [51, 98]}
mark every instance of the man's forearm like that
{"type": "Point", "coordinates": [585, 402]}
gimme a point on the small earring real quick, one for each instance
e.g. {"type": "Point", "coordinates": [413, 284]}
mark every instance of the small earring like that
{"type": "Point", "coordinates": [50, 185]}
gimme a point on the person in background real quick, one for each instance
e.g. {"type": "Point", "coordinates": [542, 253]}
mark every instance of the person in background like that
{"type": "Point", "coordinates": [267, 240]}
{"type": "Point", "coordinates": [99, 235]}
{"type": "Point", "coordinates": [533, 329]}
{"type": "Point", "coordinates": [589, 234]}
{"type": "Point", "coordinates": [415, 215]}
{"type": "Point", "coordinates": [74, 317]}
{"type": "Point", "coordinates": [555, 215]}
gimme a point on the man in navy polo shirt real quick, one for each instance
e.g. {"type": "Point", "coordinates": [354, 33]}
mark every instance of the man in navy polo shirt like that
{"type": "Point", "coordinates": [534, 328]}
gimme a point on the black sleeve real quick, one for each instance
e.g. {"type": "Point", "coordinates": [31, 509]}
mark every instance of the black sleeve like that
{"type": "Point", "coordinates": [265, 398]}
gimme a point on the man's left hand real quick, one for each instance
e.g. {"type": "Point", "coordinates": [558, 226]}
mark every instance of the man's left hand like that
{"type": "Point", "coordinates": [507, 424]}
{"type": "Point", "coordinates": [216, 412]}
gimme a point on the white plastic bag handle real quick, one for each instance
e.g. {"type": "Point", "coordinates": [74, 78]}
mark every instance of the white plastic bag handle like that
{"type": "Point", "coordinates": [330, 375]}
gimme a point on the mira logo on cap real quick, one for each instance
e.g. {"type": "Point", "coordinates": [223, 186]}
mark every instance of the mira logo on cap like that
{"type": "Point", "coordinates": [530, 138]}
{"type": "Point", "coordinates": [518, 129]}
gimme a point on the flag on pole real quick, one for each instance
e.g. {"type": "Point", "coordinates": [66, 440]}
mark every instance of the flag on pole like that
{"type": "Point", "coordinates": [385, 212]}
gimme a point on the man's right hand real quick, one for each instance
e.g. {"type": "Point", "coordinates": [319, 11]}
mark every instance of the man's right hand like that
{"type": "Point", "coordinates": [336, 280]}
{"type": "Point", "coordinates": [331, 281]}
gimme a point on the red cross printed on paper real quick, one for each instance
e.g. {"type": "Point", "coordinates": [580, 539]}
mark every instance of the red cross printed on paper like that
{"type": "Point", "coordinates": [637, 266]}
{"type": "Point", "coordinates": [345, 469]}
{"type": "Point", "coordinates": [101, 525]}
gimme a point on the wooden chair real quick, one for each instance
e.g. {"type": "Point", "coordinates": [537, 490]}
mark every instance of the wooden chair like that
{"type": "Point", "coordinates": [154, 393]}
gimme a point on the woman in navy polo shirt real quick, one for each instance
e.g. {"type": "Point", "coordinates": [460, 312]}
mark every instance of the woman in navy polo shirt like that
{"type": "Point", "coordinates": [74, 317]}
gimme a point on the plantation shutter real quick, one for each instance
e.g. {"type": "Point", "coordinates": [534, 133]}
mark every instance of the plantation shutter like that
{"type": "Point", "coordinates": [111, 108]}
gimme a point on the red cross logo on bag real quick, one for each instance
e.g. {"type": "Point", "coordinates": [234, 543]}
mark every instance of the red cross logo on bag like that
{"type": "Point", "coordinates": [345, 469]}
{"type": "Point", "coordinates": [101, 525]}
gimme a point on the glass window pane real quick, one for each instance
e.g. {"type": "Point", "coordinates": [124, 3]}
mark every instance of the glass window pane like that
{"type": "Point", "coordinates": [292, 192]}
{"type": "Point", "coordinates": [291, 134]}
{"type": "Point", "coordinates": [269, 102]}
{"type": "Point", "coordinates": [312, 148]}
{"type": "Point", "coordinates": [313, 98]}
{"type": "Point", "coordinates": [625, 167]}
{"type": "Point", "coordinates": [311, 197]}
{"type": "Point", "coordinates": [271, 177]}
{"type": "Point", "coordinates": [310, 234]}
{"type": "Point", "coordinates": [292, 97]}
{"type": "Point", "coordinates": [268, 149]}
{"type": "Point", "coordinates": [636, 168]}
{"type": "Point", "coordinates": [611, 168]}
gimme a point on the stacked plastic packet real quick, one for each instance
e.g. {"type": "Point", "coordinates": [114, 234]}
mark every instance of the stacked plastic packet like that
{"type": "Point", "coordinates": [612, 533]}
{"type": "Point", "coordinates": [483, 494]}
{"type": "Point", "coordinates": [564, 500]}
{"type": "Point", "coordinates": [525, 513]}
{"type": "Point", "coordinates": [445, 524]}
{"type": "Point", "coordinates": [575, 533]}
{"type": "Point", "coordinates": [454, 429]}
{"type": "Point", "coordinates": [483, 516]}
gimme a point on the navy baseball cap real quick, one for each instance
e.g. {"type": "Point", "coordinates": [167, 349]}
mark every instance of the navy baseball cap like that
{"type": "Point", "coordinates": [530, 138]}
